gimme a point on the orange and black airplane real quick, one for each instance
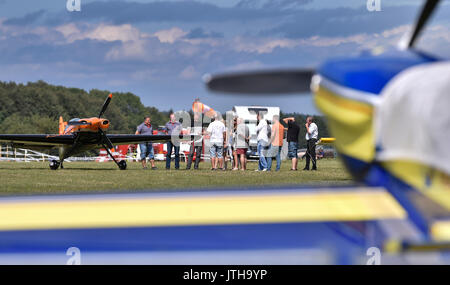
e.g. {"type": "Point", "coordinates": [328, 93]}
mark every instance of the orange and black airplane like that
{"type": "Point", "coordinates": [79, 135]}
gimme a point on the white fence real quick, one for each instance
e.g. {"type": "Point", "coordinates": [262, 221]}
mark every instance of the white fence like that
{"type": "Point", "coordinates": [8, 153]}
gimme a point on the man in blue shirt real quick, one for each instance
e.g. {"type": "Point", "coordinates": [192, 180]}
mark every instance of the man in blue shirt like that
{"type": "Point", "coordinates": [147, 147]}
{"type": "Point", "coordinates": [174, 127]}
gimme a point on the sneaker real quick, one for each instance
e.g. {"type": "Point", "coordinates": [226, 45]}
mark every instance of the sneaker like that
{"type": "Point", "coordinates": [305, 169]}
{"type": "Point", "coordinates": [154, 168]}
{"type": "Point", "coordinates": [144, 167]}
{"type": "Point", "coordinates": [314, 168]}
{"type": "Point", "coordinates": [257, 170]}
{"type": "Point", "coordinates": [265, 169]}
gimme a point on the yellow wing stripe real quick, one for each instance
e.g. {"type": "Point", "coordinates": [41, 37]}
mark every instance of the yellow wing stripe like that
{"type": "Point", "coordinates": [341, 205]}
{"type": "Point", "coordinates": [432, 183]}
{"type": "Point", "coordinates": [440, 231]}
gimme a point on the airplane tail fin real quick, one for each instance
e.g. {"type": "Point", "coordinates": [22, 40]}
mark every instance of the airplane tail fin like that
{"type": "Point", "coordinates": [62, 125]}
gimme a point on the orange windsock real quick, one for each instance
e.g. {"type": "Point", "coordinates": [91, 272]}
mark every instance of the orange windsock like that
{"type": "Point", "coordinates": [199, 107]}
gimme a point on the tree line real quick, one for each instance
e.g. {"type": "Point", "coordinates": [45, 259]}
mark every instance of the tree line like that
{"type": "Point", "coordinates": [36, 107]}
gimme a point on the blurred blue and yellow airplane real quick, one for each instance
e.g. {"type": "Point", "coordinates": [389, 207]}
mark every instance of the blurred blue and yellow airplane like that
{"type": "Point", "coordinates": [388, 111]}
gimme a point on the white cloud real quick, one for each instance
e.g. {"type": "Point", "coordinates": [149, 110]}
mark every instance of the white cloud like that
{"type": "Point", "coordinates": [102, 32]}
{"type": "Point", "coordinates": [261, 46]}
{"type": "Point", "coordinates": [129, 50]}
{"type": "Point", "coordinates": [362, 41]}
{"type": "Point", "coordinates": [171, 35]}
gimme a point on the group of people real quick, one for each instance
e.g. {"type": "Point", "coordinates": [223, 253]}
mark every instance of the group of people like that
{"type": "Point", "coordinates": [231, 143]}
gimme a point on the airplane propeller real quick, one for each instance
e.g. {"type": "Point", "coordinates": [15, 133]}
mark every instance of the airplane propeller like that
{"type": "Point", "coordinates": [105, 105]}
{"type": "Point", "coordinates": [288, 81]}
{"type": "Point", "coordinates": [427, 11]}
{"type": "Point", "coordinates": [262, 82]}
{"type": "Point", "coordinates": [105, 139]}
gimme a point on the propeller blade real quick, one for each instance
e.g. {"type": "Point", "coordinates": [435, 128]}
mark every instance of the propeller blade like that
{"type": "Point", "coordinates": [262, 82]}
{"type": "Point", "coordinates": [427, 11]}
{"type": "Point", "coordinates": [105, 105]}
{"type": "Point", "coordinates": [78, 123]}
{"type": "Point", "coordinates": [105, 139]}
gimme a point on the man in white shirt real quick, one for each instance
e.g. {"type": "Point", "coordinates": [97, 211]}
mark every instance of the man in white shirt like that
{"type": "Point", "coordinates": [312, 132]}
{"type": "Point", "coordinates": [263, 142]}
{"type": "Point", "coordinates": [217, 133]}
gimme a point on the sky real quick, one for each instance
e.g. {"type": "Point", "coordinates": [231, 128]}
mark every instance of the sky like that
{"type": "Point", "coordinates": [160, 50]}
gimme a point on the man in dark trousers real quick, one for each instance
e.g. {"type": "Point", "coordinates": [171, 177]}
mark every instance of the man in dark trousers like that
{"type": "Point", "coordinates": [197, 142]}
{"type": "Point", "coordinates": [292, 139]}
{"type": "Point", "coordinates": [312, 132]}
{"type": "Point", "coordinates": [173, 126]}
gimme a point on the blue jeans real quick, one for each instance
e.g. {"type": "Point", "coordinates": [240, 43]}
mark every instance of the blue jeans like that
{"type": "Point", "coordinates": [147, 150]}
{"type": "Point", "coordinates": [274, 151]}
{"type": "Point", "coordinates": [171, 146]}
{"type": "Point", "coordinates": [293, 150]}
{"type": "Point", "coordinates": [216, 150]}
{"type": "Point", "coordinates": [262, 152]}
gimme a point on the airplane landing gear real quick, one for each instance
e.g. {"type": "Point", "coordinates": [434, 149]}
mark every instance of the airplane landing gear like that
{"type": "Point", "coordinates": [122, 165]}
{"type": "Point", "coordinates": [54, 164]}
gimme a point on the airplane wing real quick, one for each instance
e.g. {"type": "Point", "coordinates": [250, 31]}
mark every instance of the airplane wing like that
{"type": "Point", "coordinates": [293, 225]}
{"type": "Point", "coordinates": [51, 141]}
{"type": "Point", "coordinates": [135, 139]}
{"type": "Point", "coordinates": [37, 140]}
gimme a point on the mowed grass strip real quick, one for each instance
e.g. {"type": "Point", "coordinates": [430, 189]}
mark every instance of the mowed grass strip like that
{"type": "Point", "coordinates": [20, 178]}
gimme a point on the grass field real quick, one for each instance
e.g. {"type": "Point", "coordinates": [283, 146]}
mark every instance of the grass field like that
{"type": "Point", "coordinates": [20, 178]}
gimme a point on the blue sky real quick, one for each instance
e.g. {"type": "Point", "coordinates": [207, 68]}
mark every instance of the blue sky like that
{"type": "Point", "coordinates": [159, 50]}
